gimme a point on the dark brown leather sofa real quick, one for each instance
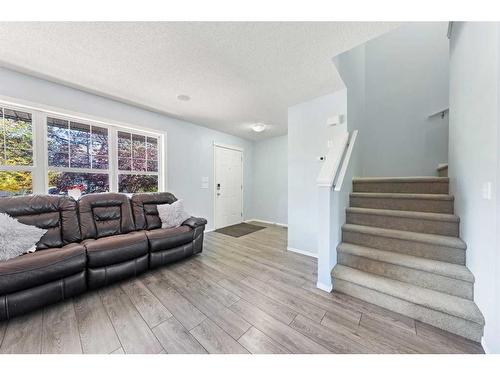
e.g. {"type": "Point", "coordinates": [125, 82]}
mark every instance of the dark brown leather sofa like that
{"type": "Point", "coordinates": [99, 240]}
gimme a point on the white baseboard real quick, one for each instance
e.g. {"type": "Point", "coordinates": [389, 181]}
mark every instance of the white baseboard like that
{"type": "Point", "coordinates": [303, 252]}
{"type": "Point", "coordinates": [267, 222]}
{"type": "Point", "coordinates": [326, 288]}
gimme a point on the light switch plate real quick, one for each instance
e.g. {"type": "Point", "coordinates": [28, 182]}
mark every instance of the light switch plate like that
{"type": "Point", "coordinates": [487, 190]}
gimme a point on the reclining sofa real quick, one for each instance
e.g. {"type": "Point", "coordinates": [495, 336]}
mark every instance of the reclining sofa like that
{"type": "Point", "coordinates": [101, 239]}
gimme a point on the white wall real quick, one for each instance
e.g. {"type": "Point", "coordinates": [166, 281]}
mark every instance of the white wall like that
{"type": "Point", "coordinates": [307, 139]}
{"type": "Point", "coordinates": [189, 149]}
{"type": "Point", "coordinates": [270, 181]}
{"type": "Point", "coordinates": [474, 160]}
{"type": "Point", "coordinates": [405, 80]}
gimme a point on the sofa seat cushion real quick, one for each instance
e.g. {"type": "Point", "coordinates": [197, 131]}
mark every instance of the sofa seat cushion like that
{"type": "Point", "coordinates": [168, 238]}
{"type": "Point", "coordinates": [115, 249]}
{"type": "Point", "coordinates": [41, 267]}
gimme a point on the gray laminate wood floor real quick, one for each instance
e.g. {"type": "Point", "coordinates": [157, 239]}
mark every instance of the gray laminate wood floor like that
{"type": "Point", "coordinates": [241, 295]}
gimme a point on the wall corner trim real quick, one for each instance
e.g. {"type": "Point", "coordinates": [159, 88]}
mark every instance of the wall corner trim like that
{"type": "Point", "coordinates": [303, 252]}
{"type": "Point", "coordinates": [324, 287]}
{"type": "Point", "coordinates": [267, 222]}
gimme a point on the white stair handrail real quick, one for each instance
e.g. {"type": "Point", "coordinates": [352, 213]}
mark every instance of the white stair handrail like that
{"type": "Point", "coordinates": [329, 169]}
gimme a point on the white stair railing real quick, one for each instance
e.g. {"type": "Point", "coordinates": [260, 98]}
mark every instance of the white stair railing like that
{"type": "Point", "coordinates": [334, 185]}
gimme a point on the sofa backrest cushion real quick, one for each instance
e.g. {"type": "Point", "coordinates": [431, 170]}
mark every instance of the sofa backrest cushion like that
{"type": "Point", "coordinates": [145, 211]}
{"type": "Point", "coordinates": [105, 214]}
{"type": "Point", "coordinates": [55, 213]}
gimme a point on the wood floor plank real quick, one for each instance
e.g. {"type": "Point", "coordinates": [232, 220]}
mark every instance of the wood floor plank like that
{"type": "Point", "coordinates": [230, 322]}
{"type": "Point", "coordinates": [209, 285]}
{"type": "Point", "coordinates": [118, 351]}
{"type": "Point", "coordinates": [395, 339]}
{"type": "Point", "coordinates": [294, 303]}
{"type": "Point", "coordinates": [330, 339]}
{"type": "Point", "coordinates": [258, 343]}
{"type": "Point", "coordinates": [229, 272]}
{"type": "Point", "coordinates": [215, 340]}
{"type": "Point", "coordinates": [336, 311]}
{"type": "Point", "coordinates": [60, 330]}
{"type": "Point", "coordinates": [176, 339]}
{"type": "Point", "coordinates": [334, 320]}
{"type": "Point", "coordinates": [268, 305]}
{"type": "Point", "coordinates": [24, 334]}
{"type": "Point", "coordinates": [97, 334]}
{"type": "Point", "coordinates": [150, 308]}
{"type": "Point", "coordinates": [183, 310]}
{"type": "Point", "coordinates": [292, 340]}
{"type": "Point", "coordinates": [133, 332]}
{"type": "Point", "coordinates": [447, 341]}
{"type": "Point", "coordinates": [246, 260]}
{"type": "Point", "coordinates": [276, 268]}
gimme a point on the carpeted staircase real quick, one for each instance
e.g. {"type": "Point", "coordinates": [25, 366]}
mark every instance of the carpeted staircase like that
{"type": "Point", "coordinates": [401, 250]}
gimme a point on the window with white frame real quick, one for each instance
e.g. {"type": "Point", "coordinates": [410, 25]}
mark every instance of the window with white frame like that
{"type": "Point", "coordinates": [137, 162]}
{"type": "Point", "coordinates": [44, 152]}
{"type": "Point", "coordinates": [16, 153]}
{"type": "Point", "coordinates": [78, 157]}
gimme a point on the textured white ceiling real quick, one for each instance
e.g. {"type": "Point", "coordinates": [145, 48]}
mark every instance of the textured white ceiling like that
{"type": "Point", "coordinates": [235, 73]}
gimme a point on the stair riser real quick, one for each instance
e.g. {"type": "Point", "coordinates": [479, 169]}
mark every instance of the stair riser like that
{"type": "Point", "coordinates": [412, 276]}
{"type": "Point", "coordinates": [444, 228]}
{"type": "Point", "coordinates": [450, 323]}
{"type": "Point", "coordinates": [404, 204]}
{"type": "Point", "coordinates": [419, 249]}
{"type": "Point", "coordinates": [401, 187]}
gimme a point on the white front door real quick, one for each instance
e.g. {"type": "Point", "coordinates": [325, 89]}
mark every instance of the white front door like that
{"type": "Point", "coordinates": [228, 186]}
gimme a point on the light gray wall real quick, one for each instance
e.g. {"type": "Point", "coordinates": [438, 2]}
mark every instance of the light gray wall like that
{"type": "Point", "coordinates": [307, 139]}
{"type": "Point", "coordinates": [270, 181]}
{"type": "Point", "coordinates": [394, 83]}
{"type": "Point", "coordinates": [474, 160]}
{"type": "Point", "coordinates": [189, 148]}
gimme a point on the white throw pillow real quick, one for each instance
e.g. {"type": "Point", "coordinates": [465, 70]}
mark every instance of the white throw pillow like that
{"type": "Point", "coordinates": [17, 238]}
{"type": "Point", "coordinates": [172, 215]}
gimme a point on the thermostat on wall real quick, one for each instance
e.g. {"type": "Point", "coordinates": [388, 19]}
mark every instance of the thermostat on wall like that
{"type": "Point", "coordinates": [335, 120]}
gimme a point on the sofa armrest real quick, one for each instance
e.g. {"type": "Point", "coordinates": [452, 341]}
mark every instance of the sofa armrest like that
{"type": "Point", "coordinates": [194, 222]}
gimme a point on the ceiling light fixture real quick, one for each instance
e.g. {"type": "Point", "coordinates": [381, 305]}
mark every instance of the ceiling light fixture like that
{"type": "Point", "coordinates": [183, 98]}
{"type": "Point", "coordinates": [259, 127]}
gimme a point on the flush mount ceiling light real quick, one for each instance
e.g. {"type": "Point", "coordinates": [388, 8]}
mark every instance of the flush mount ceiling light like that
{"type": "Point", "coordinates": [259, 127]}
{"type": "Point", "coordinates": [183, 97]}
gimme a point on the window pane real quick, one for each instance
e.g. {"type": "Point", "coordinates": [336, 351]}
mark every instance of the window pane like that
{"type": "Point", "coordinates": [133, 183]}
{"type": "Point", "coordinates": [138, 152]}
{"type": "Point", "coordinates": [124, 145]}
{"type": "Point", "coordinates": [58, 142]}
{"type": "Point", "coordinates": [15, 183]}
{"type": "Point", "coordinates": [99, 148]}
{"type": "Point", "coordinates": [124, 164]}
{"type": "Point", "coordinates": [79, 137]}
{"type": "Point", "coordinates": [152, 166]}
{"type": "Point", "coordinates": [152, 154]}
{"type": "Point", "coordinates": [17, 138]}
{"type": "Point", "coordinates": [60, 182]}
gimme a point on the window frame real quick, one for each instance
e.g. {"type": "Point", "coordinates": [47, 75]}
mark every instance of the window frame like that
{"type": "Point", "coordinates": [35, 147]}
{"type": "Point", "coordinates": [40, 168]}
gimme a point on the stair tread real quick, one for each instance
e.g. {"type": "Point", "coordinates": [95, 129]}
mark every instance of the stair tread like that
{"type": "Point", "coordinates": [446, 269]}
{"type": "Point", "coordinates": [406, 214]}
{"type": "Point", "coordinates": [401, 179]}
{"type": "Point", "coordinates": [438, 301]}
{"type": "Point", "coordinates": [446, 197]}
{"type": "Point", "coordinates": [434, 239]}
